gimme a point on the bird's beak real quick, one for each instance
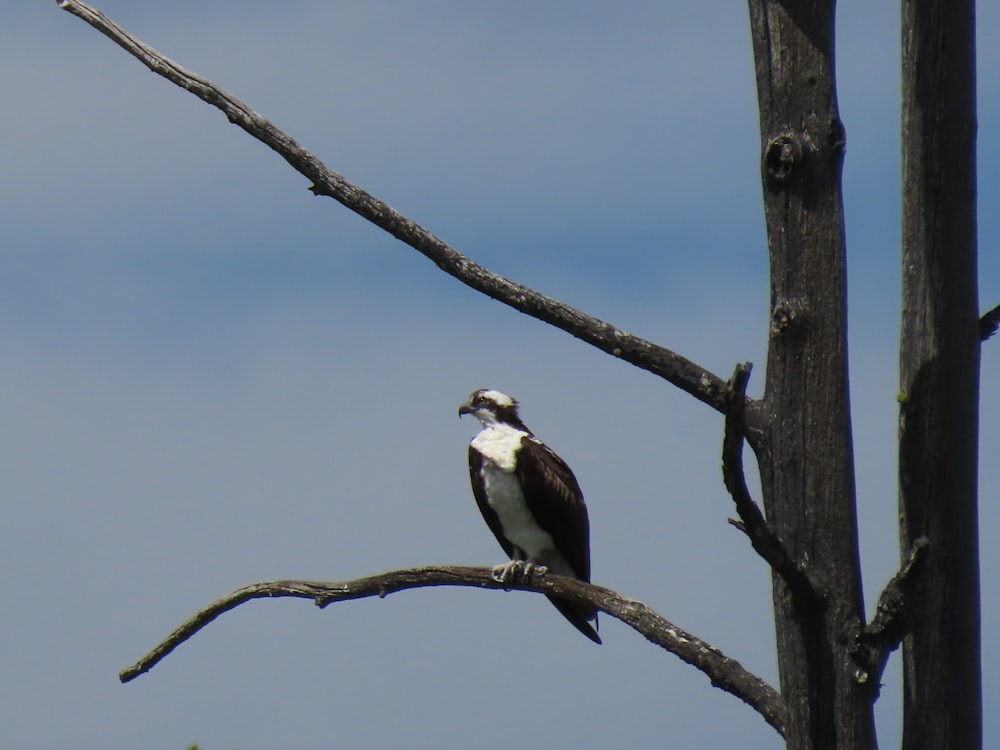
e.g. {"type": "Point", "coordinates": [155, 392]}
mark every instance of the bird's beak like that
{"type": "Point", "coordinates": [465, 408]}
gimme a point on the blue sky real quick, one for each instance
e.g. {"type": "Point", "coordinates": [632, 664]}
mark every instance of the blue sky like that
{"type": "Point", "coordinates": [213, 377]}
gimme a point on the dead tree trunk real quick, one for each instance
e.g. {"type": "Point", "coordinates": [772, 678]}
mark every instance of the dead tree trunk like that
{"type": "Point", "coordinates": [939, 374]}
{"type": "Point", "coordinates": [805, 452]}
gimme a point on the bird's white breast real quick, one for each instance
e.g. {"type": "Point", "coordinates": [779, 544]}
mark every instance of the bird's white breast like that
{"type": "Point", "coordinates": [499, 445]}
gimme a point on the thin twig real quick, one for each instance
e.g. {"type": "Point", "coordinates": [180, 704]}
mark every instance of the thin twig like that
{"type": "Point", "coordinates": [989, 324]}
{"type": "Point", "coordinates": [672, 367]}
{"type": "Point", "coordinates": [751, 522]}
{"type": "Point", "coordinates": [724, 672]}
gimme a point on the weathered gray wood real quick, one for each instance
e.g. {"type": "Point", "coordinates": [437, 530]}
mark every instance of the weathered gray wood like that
{"type": "Point", "coordinates": [805, 456]}
{"type": "Point", "coordinates": [939, 374]}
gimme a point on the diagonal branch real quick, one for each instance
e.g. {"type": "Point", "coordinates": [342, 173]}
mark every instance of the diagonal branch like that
{"type": "Point", "coordinates": [672, 367]}
{"type": "Point", "coordinates": [870, 647]}
{"type": "Point", "coordinates": [725, 673]}
{"type": "Point", "coordinates": [752, 523]}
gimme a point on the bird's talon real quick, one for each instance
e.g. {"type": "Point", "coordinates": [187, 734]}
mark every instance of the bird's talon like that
{"type": "Point", "coordinates": [517, 571]}
{"type": "Point", "coordinates": [499, 573]}
{"type": "Point", "coordinates": [509, 572]}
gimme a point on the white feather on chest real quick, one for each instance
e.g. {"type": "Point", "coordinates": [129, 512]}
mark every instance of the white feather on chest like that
{"type": "Point", "coordinates": [499, 445]}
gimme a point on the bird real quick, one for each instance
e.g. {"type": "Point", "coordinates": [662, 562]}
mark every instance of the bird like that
{"type": "Point", "coordinates": [531, 501]}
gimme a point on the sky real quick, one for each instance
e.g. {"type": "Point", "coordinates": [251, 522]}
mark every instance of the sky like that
{"type": "Point", "coordinates": [212, 377]}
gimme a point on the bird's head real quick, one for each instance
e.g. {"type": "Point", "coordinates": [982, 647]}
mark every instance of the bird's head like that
{"type": "Point", "coordinates": [491, 407]}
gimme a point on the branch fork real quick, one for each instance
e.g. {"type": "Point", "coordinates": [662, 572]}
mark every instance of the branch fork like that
{"type": "Point", "coordinates": [870, 647]}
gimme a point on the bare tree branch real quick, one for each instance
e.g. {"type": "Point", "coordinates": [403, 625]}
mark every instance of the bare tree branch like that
{"type": "Point", "coordinates": [752, 522]}
{"type": "Point", "coordinates": [989, 324]}
{"type": "Point", "coordinates": [707, 387]}
{"type": "Point", "coordinates": [672, 367]}
{"type": "Point", "coordinates": [725, 673]}
{"type": "Point", "coordinates": [870, 647]}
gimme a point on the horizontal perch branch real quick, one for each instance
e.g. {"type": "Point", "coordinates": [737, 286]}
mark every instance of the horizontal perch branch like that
{"type": "Point", "coordinates": [672, 367]}
{"type": "Point", "coordinates": [725, 673]}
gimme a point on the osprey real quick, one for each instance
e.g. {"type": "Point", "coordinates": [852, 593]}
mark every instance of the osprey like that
{"type": "Point", "coordinates": [530, 499]}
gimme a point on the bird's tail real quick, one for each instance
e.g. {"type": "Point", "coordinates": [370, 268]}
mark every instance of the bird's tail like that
{"type": "Point", "coordinates": [580, 615]}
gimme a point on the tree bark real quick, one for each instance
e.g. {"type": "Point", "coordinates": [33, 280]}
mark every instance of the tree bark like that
{"type": "Point", "coordinates": [939, 374]}
{"type": "Point", "coordinates": [805, 454]}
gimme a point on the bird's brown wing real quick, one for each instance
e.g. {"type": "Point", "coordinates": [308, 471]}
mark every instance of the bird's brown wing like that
{"type": "Point", "coordinates": [555, 500]}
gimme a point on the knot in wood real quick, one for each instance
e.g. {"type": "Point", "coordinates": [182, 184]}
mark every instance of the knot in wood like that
{"type": "Point", "coordinates": [787, 316]}
{"type": "Point", "coordinates": [782, 158]}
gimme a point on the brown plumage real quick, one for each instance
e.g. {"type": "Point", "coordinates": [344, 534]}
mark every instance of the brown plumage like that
{"type": "Point", "coordinates": [529, 498]}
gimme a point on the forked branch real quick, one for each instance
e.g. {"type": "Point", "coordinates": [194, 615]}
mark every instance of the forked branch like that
{"type": "Point", "coordinates": [672, 367]}
{"type": "Point", "coordinates": [725, 673]}
{"type": "Point", "coordinates": [870, 647]}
